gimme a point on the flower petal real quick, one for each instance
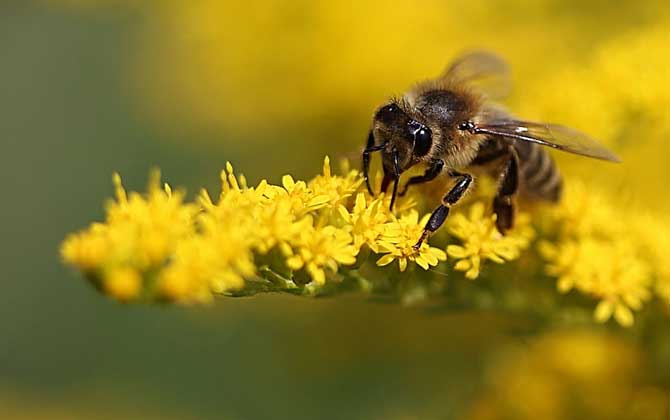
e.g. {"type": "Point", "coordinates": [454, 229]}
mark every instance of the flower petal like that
{"type": "Point", "coordinates": [385, 260]}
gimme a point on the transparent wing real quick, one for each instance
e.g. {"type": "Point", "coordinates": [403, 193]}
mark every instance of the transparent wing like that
{"type": "Point", "coordinates": [556, 136]}
{"type": "Point", "coordinates": [483, 71]}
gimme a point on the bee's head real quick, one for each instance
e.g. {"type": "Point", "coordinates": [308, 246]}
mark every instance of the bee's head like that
{"type": "Point", "coordinates": [402, 140]}
{"type": "Point", "coordinates": [406, 139]}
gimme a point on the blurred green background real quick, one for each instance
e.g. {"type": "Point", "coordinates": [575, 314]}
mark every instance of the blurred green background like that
{"type": "Point", "coordinates": [92, 87]}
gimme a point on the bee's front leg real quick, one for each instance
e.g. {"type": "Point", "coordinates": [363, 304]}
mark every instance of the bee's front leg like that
{"type": "Point", "coordinates": [440, 214]}
{"type": "Point", "coordinates": [369, 148]}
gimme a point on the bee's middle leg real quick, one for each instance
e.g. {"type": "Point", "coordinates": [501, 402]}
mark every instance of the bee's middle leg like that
{"type": "Point", "coordinates": [440, 214]}
{"type": "Point", "coordinates": [431, 173]}
{"type": "Point", "coordinates": [503, 205]}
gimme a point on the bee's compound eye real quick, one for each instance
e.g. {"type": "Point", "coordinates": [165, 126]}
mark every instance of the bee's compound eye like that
{"type": "Point", "coordinates": [388, 113]}
{"type": "Point", "coordinates": [423, 138]}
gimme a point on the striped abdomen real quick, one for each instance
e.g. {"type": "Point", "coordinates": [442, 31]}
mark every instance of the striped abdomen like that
{"type": "Point", "coordinates": [539, 175]}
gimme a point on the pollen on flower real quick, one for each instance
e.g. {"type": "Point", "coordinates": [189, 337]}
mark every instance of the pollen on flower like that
{"type": "Point", "coordinates": [337, 189]}
{"type": "Point", "coordinates": [366, 221]}
{"type": "Point", "coordinates": [480, 240]}
{"type": "Point", "coordinates": [398, 239]}
{"type": "Point", "coordinates": [321, 249]}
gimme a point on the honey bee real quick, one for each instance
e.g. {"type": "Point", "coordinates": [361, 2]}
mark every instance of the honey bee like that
{"type": "Point", "coordinates": [452, 124]}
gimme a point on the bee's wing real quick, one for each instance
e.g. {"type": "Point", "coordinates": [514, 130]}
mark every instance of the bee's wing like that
{"type": "Point", "coordinates": [552, 135]}
{"type": "Point", "coordinates": [483, 71]}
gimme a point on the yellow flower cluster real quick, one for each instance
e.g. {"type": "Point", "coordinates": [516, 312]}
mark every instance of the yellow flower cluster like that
{"type": "Point", "coordinates": [654, 241]}
{"type": "Point", "coordinates": [608, 254]}
{"type": "Point", "coordinates": [301, 236]}
{"type": "Point", "coordinates": [482, 241]}
{"type": "Point", "coordinates": [139, 235]}
{"type": "Point", "coordinates": [158, 247]}
{"type": "Point", "coordinates": [397, 241]}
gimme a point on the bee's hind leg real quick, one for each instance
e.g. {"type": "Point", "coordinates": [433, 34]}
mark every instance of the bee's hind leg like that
{"type": "Point", "coordinates": [503, 205]}
{"type": "Point", "coordinates": [440, 214]}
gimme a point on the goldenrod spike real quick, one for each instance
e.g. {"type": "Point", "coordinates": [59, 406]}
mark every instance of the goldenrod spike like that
{"type": "Point", "coordinates": [287, 182]}
{"type": "Point", "coordinates": [224, 180]}
{"type": "Point", "coordinates": [154, 180]}
{"type": "Point", "coordinates": [345, 166]}
{"type": "Point", "coordinates": [326, 167]}
{"type": "Point", "coordinates": [262, 186]}
{"type": "Point", "coordinates": [119, 191]}
{"type": "Point", "coordinates": [233, 181]}
{"type": "Point", "coordinates": [204, 198]}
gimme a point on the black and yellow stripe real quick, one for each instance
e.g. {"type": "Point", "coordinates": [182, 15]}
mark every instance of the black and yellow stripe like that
{"type": "Point", "coordinates": [540, 177]}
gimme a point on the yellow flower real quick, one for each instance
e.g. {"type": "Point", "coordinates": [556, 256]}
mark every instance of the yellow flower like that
{"type": "Point", "coordinates": [337, 188]}
{"type": "Point", "coordinates": [87, 250]}
{"type": "Point", "coordinates": [602, 253]}
{"type": "Point", "coordinates": [215, 262]}
{"type": "Point", "coordinates": [482, 241]}
{"type": "Point", "coordinates": [398, 240]}
{"type": "Point", "coordinates": [585, 212]}
{"type": "Point", "coordinates": [366, 221]}
{"type": "Point", "coordinates": [606, 269]}
{"type": "Point", "coordinates": [123, 283]}
{"type": "Point", "coordinates": [654, 239]}
{"type": "Point", "coordinates": [139, 235]}
{"type": "Point", "coordinates": [302, 198]}
{"type": "Point", "coordinates": [319, 249]}
{"type": "Point", "coordinates": [259, 216]}
{"type": "Point", "coordinates": [150, 227]}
